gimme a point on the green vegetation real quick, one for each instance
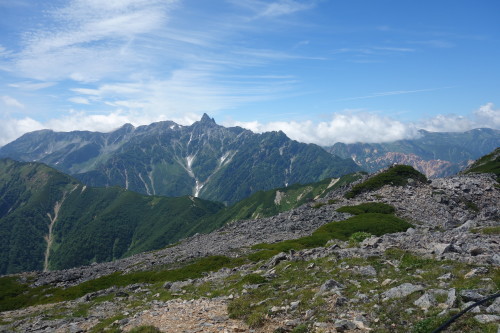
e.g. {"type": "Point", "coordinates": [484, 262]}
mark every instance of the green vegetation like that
{"type": "Point", "coordinates": [487, 164]}
{"type": "Point", "coordinates": [397, 175]}
{"type": "Point", "coordinates": [272, 202]}
{"type": "Point", "coordinates": [368, 207]}
{"type": "Point", "coordinates": [295, 281]}
{"type": "Point", "coordinates": [93, 224]}
{"type": "Point", "coordinates": [104, 224]}
{"type": "Point", "coordinates": [359, 236]}
{"type": "Point", "coordinates": [487, 230]}
{"type": "Point", "coordinates": [28, 192]}
{"type": "Point", "coordinates": [358, 227]}
{"type": "Point", "coordinates": [15, 295]}
{"type": "Point", "coordinates": [239, 163]}
{"type": "Point", "coordinates": [374, 223]}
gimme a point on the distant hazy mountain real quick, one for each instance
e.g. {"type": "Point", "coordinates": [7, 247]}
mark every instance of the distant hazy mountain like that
{"type": "Point", "coordinates": [435, 154]}
{"type": "Point", "coordinates": [164, 158]}
{"type": "Point", "coordinates": [50, 220]}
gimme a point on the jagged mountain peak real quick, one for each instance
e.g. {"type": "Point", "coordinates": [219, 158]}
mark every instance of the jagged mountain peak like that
{"type": "Point", "coordinates": [128, 127]}
{"type": "Point", "coordinates": [205, 119]}
{"type": "Point", "coordinates": [205, 159]}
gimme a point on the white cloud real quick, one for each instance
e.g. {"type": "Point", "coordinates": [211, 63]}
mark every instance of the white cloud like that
{"type": "Point", "coordinates": [190, 90]}
{"type": "Point", "coordinates": [4, 52]}
{"type": "Point", "coordinates": [28, 85]}
{"type": "Point", "coordinates": [285, 7]}
{"type": "Point", "coordinates": [348, 127]}
{"type": "Point", "coordinates": [391, 93]}
{"type": "Point", "coordinates": [484, 117]}
{"type": "Point", "coordinates": [275, 8]}
{"type": "Point", "coordinates": [351, 127]}
{"type": "Point", "coordinates": [447, 123]}
{"type": "Point", "coordinates": [79, 100]}
{"type": "Point", "coordinates": [10, 101]}
{"type": "Point", "coordinates": [11, 129]}
{"type": "Point", "coordinates": [89, 40]}
{"type": "Point", "coordinates": [487, 116]}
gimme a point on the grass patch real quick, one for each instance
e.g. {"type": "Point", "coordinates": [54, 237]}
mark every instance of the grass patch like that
{"type": "Point", "coordinates": [471, 206]}
{"type": "Point", "coordinates": [487, 230]}
{"type": "Point", "coordinates": [368, 207]}
{"type": "Point", "coordinates": [253, 279]}
{"type": "Point", "coordinates": [318, 205]}
{"type": "Point", "coordinates": [359, 236]}
{"type": "Point", "coordinates": [14, 295]}
{"type": "Point", "coordinates": [262, 255]}
{"type": "Point", "coordinates": [145, 329]}
{"type": "Point", "coordinates": [373, 223]}
{"type": "Point", "coordinates": [302, 328]}
{"type": "Point", "coordinates": [104, 325]}
{"type": "Point", "coordinates": [397, 175]}
{"type": "Point", "coordinates": [487, 164]}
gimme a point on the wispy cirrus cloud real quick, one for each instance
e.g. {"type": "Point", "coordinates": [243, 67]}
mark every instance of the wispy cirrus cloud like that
{"type": "Point", "coordinates": [274, 55]}
{"type": "Point", "coordinates": [436, 43]}
{"type": "Point", "coordinates": [391, 93]}
{"type": "Point", "coordinates": [285, 7]}
{"type": "Point", "coordinates": [88, 40]}
{"type": "Point", "coordinates": [30, 85]}
{"type": "Point", "coordinates": [107, 48]}
{"type": "Point", "coordinates": [274, 8]}
{"type": "Point", "coordinates": [12, 102]}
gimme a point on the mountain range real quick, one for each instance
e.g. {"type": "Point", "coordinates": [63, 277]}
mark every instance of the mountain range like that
{"type": "Point", "coordinates": [49, 220]}
{"type": "Point", "coordinates": [436, 154]}
{"type": "Point", "coordinates": [403, 254]}
{"type": "Point", "coordinates": [204, 160]}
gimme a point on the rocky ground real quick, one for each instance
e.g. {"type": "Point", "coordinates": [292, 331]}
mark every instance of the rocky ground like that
{"type": "Point", "coordinates": [402, 282]}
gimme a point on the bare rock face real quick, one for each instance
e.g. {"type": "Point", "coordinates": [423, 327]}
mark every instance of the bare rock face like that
{"type": "Point", "coordinates": [401, 291]}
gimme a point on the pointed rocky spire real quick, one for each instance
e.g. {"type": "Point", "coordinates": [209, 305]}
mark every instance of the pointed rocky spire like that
{"type": "Point", "coordinates": [207, 119]}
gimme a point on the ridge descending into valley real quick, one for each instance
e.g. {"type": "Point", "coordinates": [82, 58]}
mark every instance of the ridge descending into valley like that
{"type": "Point", "coordinates": [204, 160]}
{"type": "Point", "coordinates": [392, 252]}
{"type": "Point", "coordinates": [77, 225]}
{"type": "Point", "coordinates": [49, 220]}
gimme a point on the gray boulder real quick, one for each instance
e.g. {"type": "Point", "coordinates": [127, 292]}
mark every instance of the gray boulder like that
{"type": "Point", "coordinates": [401, 291]}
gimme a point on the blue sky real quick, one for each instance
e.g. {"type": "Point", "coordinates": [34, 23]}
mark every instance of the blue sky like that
{"type": "Point", "coordinates": [321, 71]}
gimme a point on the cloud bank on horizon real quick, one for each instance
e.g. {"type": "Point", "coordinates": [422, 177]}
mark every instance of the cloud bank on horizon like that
{"type": "Point", "coordinates": [320, 72]}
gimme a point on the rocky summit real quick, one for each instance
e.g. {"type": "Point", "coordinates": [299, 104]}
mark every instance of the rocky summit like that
{"type": "Point", "coordinates": [286, 274]}
{"type": "Point", "coordinates": [204, 159]}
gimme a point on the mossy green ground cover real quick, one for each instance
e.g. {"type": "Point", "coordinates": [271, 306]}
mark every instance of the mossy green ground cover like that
{"type": "Point", "coordinates": [15, 295]}
{"type": "Point", "coordinates": [255, 294]}
{"type": "Point", "coordinates": [372, 218]}
{"type": "Point", "coordinates": [397, 175]}
{"type": "Point", "coordinates": [297, 281]}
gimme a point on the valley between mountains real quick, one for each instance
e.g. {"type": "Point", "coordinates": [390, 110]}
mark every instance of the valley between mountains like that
{"type": "Point", "coordinates": [389, 252]}
{"type": "Point", "coordinates": [202, 228]}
